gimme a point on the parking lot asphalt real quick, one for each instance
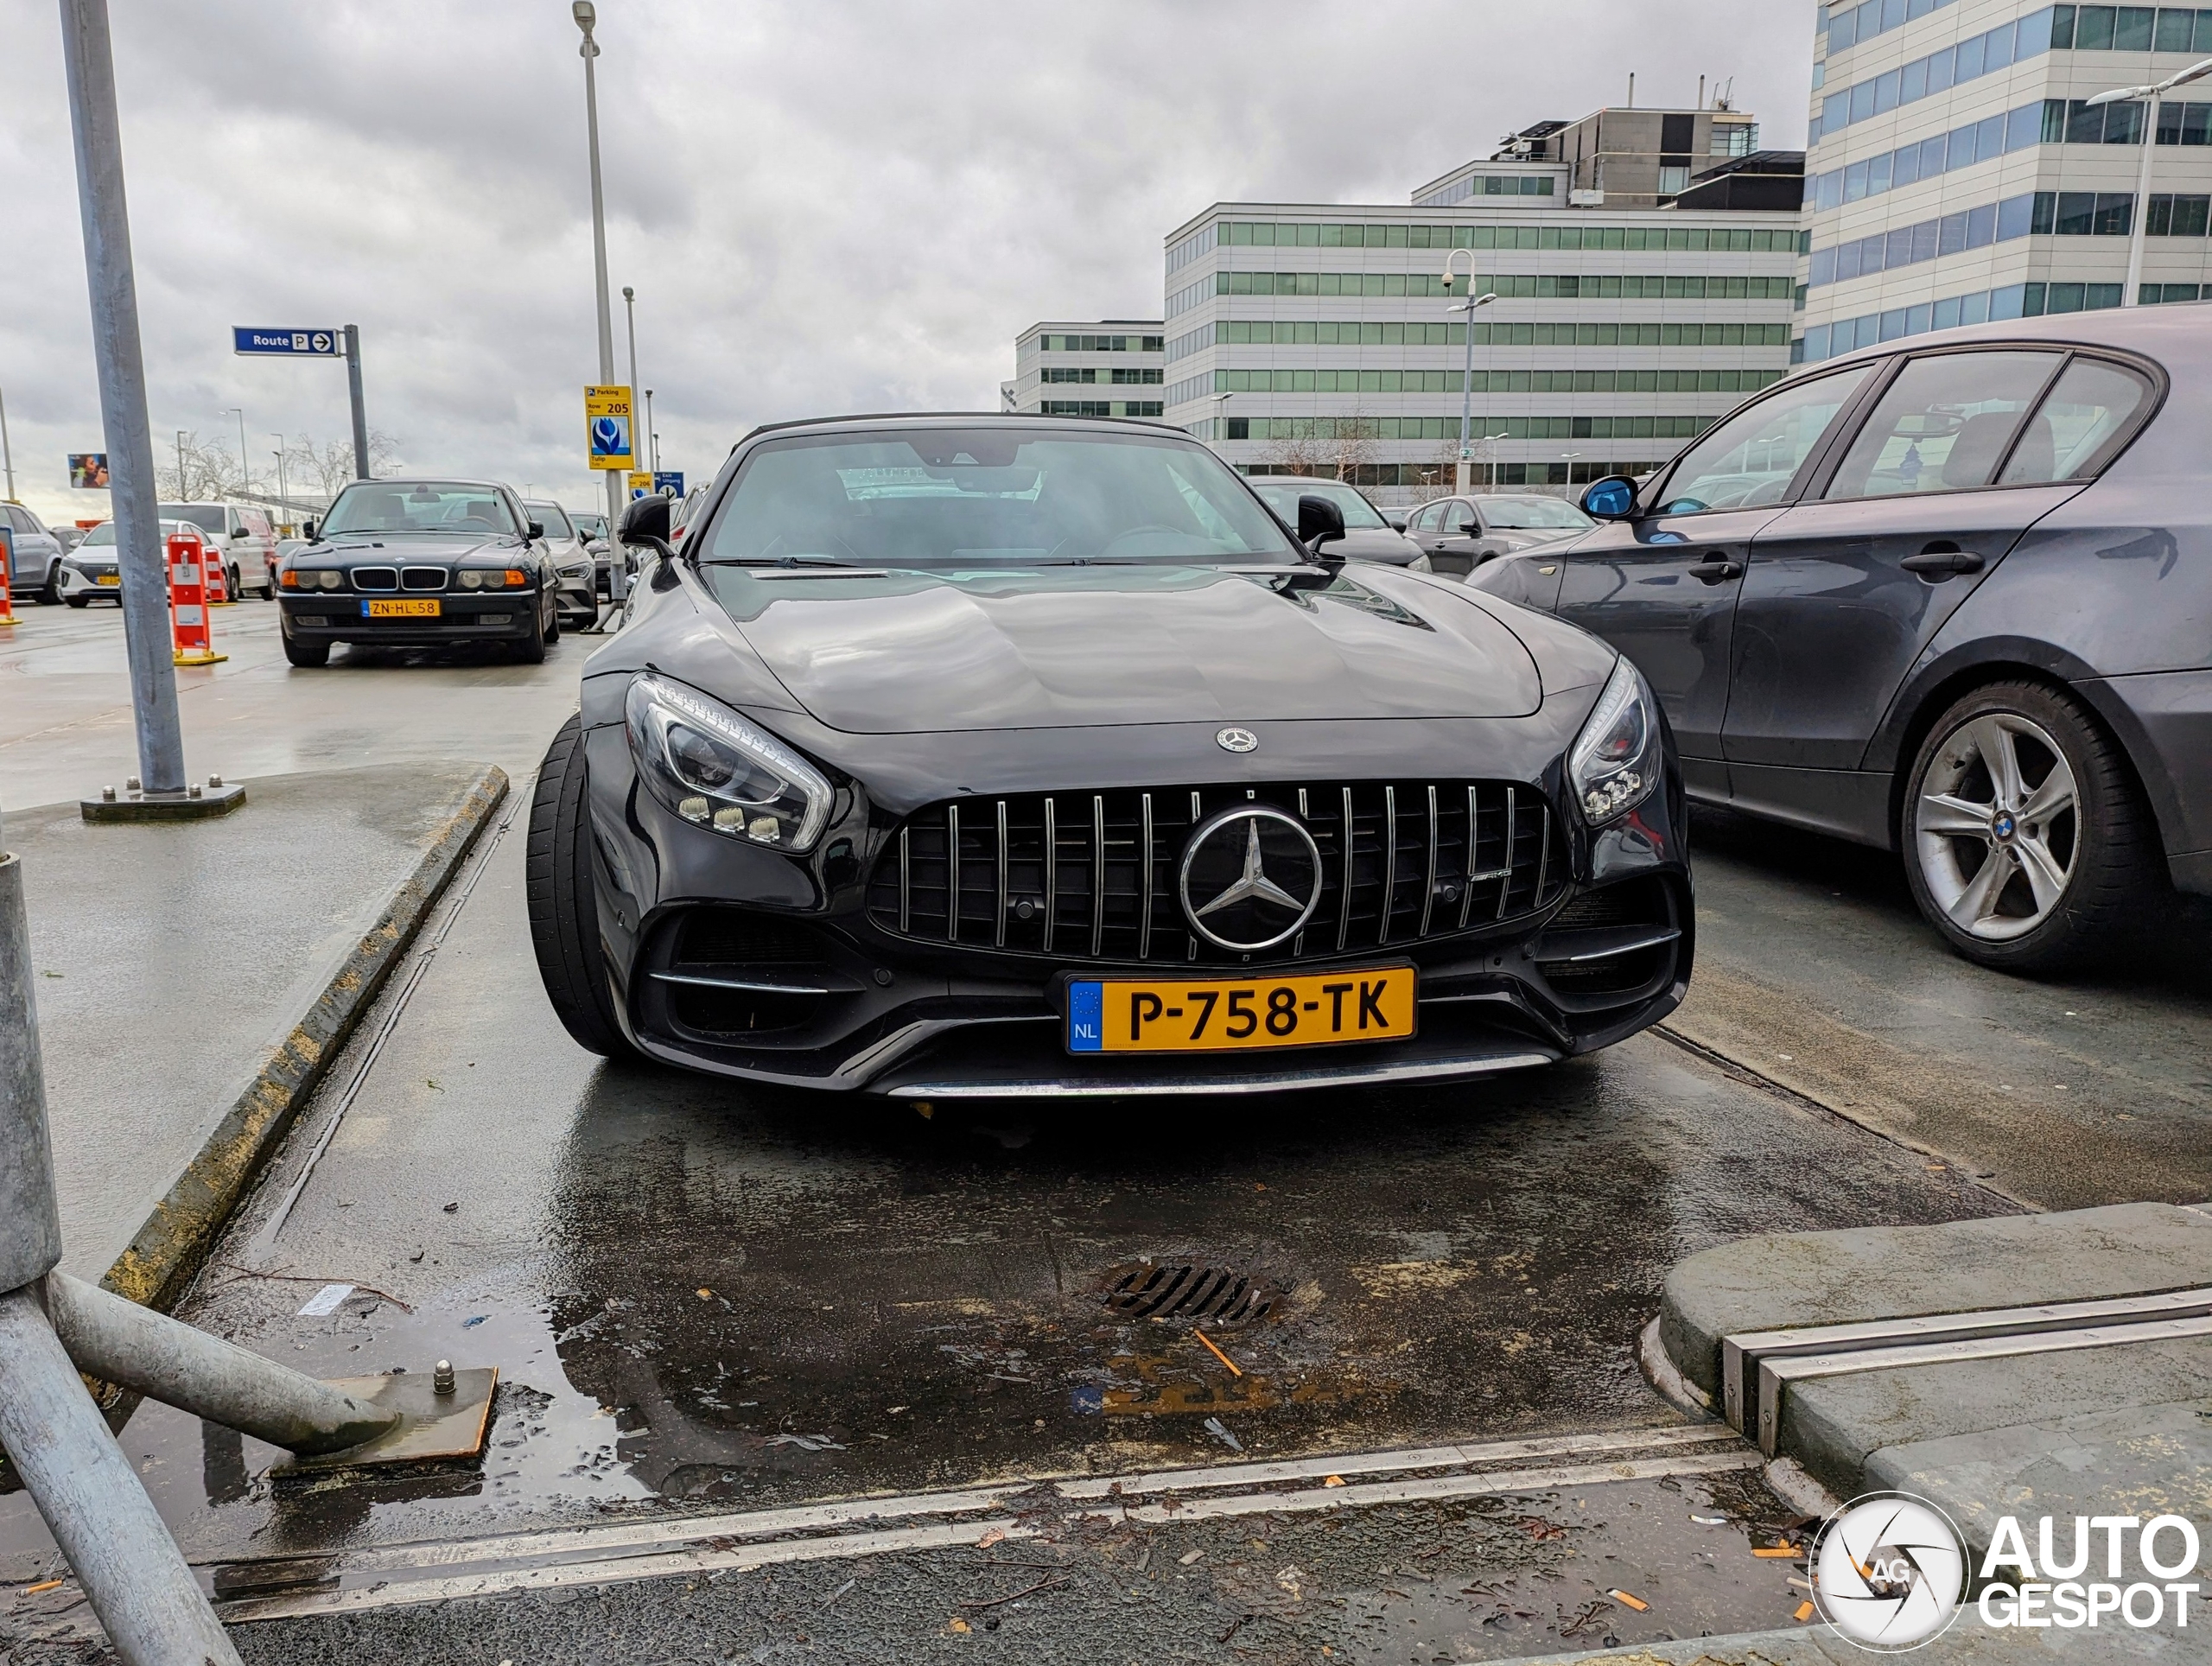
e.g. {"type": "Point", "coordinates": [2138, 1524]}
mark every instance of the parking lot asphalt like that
{"type": "Point", "coordinates": [708, 1298]}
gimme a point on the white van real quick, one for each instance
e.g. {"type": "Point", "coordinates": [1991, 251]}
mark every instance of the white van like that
{"type": "Point", "coordinates": [242, 533]}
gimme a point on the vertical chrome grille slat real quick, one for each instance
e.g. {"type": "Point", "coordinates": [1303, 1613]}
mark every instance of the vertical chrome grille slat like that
{"type": "Point", "coordinates": [1467, 886]}
{"type": "Point", "coordinates": [905, 881]}
{"type": "Point", "coordinates": [1505, 885]}
{"type": "Point", "coordinates": [998, 937]}
{"type": "Point", "coordinates": [1428, 893]}
{"type": "Point", "coordinates": [952, 869]}
{"type": "Point", "coordinates": [1543, 853]}
{"type": "Point", "coordinates": [1390, 862]}
{"type": "Point", "coordinates": [1344, 913]}
{"type": "Point", "coordinates": [1051, 874]}
{"type": "Point", "coordinates": [1097, 873]}
{"type": "Point", "coordinates": [1144, 900]}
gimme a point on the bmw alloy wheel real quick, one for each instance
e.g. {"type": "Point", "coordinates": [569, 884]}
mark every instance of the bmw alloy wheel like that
{"type": "Point", "coordinates": [1997, 826]}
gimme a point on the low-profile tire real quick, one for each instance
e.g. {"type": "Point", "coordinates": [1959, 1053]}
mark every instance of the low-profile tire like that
{"type": "Point", "coordinates": [2049, 860]}
{"type": "Point", "coordinates": [308, 656]}
{"type": "Point", "coordinates": [531, 651]}
{"type": "Point", "coordinates": [50, 592]}
{"type": "Point", "coordinates": [564, 915]}
{"type": "Point", "coordinates": [553, 625]}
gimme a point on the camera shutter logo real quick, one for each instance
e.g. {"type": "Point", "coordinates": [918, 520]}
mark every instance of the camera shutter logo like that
{"type": "Point", "coordinates": [1889, 1571]}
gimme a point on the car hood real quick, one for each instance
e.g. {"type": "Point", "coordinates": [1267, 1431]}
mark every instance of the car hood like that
{"type": "Point", "coordinates": [883, 652]}
{"type": "Point", "coordinates": [425, 551]}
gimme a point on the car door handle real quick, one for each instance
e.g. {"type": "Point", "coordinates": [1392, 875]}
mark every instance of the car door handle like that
{"type": "Point", "coordinates": [1716, 570]}
{"type": "Point", "coordinates": [1940, 561]}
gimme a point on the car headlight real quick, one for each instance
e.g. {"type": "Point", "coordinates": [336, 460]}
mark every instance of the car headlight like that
{"type": "Point", "coordinates": [712, 767]}
{"type": "Point", "coordinates": [1614, 762]}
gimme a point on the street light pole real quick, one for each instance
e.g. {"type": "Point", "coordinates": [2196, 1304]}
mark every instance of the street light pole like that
{"type": "Point", "coordinates": [1491, 440]}
{"type": "Point", "coordinates": [587, 16]}
{"type": "Point", "coordinates": [283, 507]}
{"type": "Point", "coordinates": [180, 491]}
{"type": "Point", "coordinates": [618, 572]}
{"type": "Point", "coordinates": [1464, 476]}
{"type": "Point", "coordinates": [2139, 221]}
{"type": "Point", "coordinates": [119, 358]}
{"type": "Point", "coordinates": [7, 451]}
{"type": "Point", "coordinates": [245, 469]}
{"type": "Point", "coordinates": [652, 438]}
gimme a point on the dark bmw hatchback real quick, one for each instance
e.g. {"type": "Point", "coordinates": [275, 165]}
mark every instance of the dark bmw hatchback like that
{"type": "Point", "coordinates": [1006, 756]}
{"type": "Point", "coordinates": [421, 563]}
{"type": "Point", "coordinates": [1952, 597]}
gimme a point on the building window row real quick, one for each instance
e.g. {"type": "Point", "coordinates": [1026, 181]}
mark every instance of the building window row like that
{"type": "Point", "coordinates": [1101, 407]}
{"type": "Point", "coordinates": [1487, 185]}
{"type": "Point", "coordinates": [1962, 147]}
{"type": "Point", "coordinates": [1846, 26]}
{"type": "Point", "coordinates": [1438, 476]}
{"type": "Point", "coordinates": [2178, 216]}
{"type": "Point", "coordinates": [1444, 427]}
{"type": "Point", "coordinates": [1976, 55]}
{"type": "Point", "coordinates": [1138, 377]}
{"type": "Point", "coordinates": [1696, 239]}
{"type": "Point", "coordinates": [1100, 343]}
{"type": "Point", "coordinates": [1514, 286]}
{"type": "Point", "coordinates": [1182, 346]}
{"type": "Point", "coordinates": [1377, 333]}
{"type": "Point", "coordinates": [2131, 29]}
{"type": "Point", "coordinates": [2013, 301]}
{"type": "Point", "coordinates": [1200, 242]}
{"type": "Point", "coordinates": [2157, 294]}
{"type": "Point", "coordinates": [1191, 295]}
{"type": "Point", "coordinates": [2056, 213]}
{"type": "Point", "coordinates": [1480, 381]}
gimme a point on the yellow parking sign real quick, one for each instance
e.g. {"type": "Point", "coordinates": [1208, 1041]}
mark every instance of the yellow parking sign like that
{"type": "Point", "coordinates": [641, 482]}
{"type": "Point", "coordinates": [607, 418]}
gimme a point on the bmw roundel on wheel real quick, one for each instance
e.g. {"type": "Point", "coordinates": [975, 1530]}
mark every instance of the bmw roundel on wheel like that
{"type": "Point", "coordinates": [972, 756]}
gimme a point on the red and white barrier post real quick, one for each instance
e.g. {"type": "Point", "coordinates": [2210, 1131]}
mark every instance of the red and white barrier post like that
{"type": "Point", "coordinates": [7, 562]}
{"type": "Point", "coordinates": [190, 628]}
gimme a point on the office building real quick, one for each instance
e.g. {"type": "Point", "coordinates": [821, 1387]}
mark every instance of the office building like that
{"type": "Point", "coordinates": [1305, 337]}
{"type": "Point", "coordinates": [1110, 368]}
{"type": "Point", "coordinates": [1957, 173]}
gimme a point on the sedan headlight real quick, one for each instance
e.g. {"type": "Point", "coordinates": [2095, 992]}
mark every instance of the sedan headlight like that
{"type": "Point", "coordinates": [712, 767]}
{"type": "Point", "coordinates": [1614, 762]}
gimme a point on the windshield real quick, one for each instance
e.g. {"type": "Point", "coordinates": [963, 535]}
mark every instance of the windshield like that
{"type": "Point", "coordinates": [417, 506]}
{"type": "Point", "coordinates": [1534, 513]}
{"type": "Point", "coordinates": [209, 518]}
{"type": "Point", "coordinates": [552, 517]}
{"type": "Point", "coordinates": [103, 536]}
{"type": "Point", "coordinates": [1281, 492]}
{"type": "Point", "coordinates": [592, 526]}
{"type": "Point", "coordinates": [988, 497]}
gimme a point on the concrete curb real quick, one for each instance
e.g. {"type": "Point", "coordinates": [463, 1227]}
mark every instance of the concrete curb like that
{"type": "Point", "coordinates": [173, 1242]}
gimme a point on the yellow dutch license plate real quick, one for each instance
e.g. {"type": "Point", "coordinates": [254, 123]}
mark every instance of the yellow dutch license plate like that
{"type": "Point", "coordinates": [427, 608]}
{"type": "Point", "coordinates": [1226, 1014]}
{"type": "Point", "coordinates": [109, 578]}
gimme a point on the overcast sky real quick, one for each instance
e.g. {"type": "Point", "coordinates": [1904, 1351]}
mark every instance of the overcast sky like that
{"type": "Point", "coordinates": [832, 205]}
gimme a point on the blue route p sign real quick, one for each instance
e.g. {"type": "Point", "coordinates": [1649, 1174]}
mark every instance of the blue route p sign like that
{"type": "Point", "coordinates": [288, 343]}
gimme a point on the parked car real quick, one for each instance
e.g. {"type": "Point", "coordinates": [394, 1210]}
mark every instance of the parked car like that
{"type": "Point", "coordinates": [591, 527]}
{"type": "Point", "coordinates": [246, 536]}
{"type": "Point", "coordinates": [959, 756]}
{"type": "Point", "coordinates": [417, 563]}
{"type": "Point", "coordinates": [679, 517]}
{"type": "Point", "coordinates": [1949, 596]}
{"type": "Point", "coordinates": [1459, 534]}
{"type": "Point", "coordinates": [572, 581]}
{"type": "Point", "coordinates": [35, 559]}
{"type": "Point", "coordinates": [1368, 535]}
{"type": "Point", "coordinates": [89, 573]}
{"type": "Point", "coordinates": [68, 536]}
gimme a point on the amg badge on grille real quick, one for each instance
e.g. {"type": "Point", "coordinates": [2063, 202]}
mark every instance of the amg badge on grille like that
{"type": "Point", "coordinates": [1236, 740]}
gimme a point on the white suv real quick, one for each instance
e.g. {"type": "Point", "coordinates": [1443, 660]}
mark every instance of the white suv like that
{"type": "Point", "coordinates": [244, 535]}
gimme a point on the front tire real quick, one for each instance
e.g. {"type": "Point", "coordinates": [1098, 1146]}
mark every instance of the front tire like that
{"type": "Point", "coordinates": [308, 656]}
{"type": "Point", "coordinates": [2026, 842]}
{"type": "Point", "coordinates": [231, 591]}
{"type": "Point", "coordinates": [79, 602]}
{"type": "Point", "coordinates": [563, 909]}
{"type": "Point", "coordinates": [531, 651]}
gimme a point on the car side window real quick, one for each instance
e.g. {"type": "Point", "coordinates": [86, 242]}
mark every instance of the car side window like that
{"type": "Point", "coordinates": [1943, 425]}
{"type": "Point", "coordinates": [1751, 458]}
{"type": "Point", "coordinates": [2081, 422]}
{"type": "Point", "coordinates": [1424, 519]}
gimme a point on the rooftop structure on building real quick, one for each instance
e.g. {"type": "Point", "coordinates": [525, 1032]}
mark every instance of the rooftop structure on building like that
{"type": "Point", "coordinates": [1307, 337]}
{"type": "Point", "coordinates": [1957, 171]}
{"type": "Point", "coordinates": [1103, 367]}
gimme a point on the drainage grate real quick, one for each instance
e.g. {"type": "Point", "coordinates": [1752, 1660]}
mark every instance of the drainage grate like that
{"type": "Point", "coordinates": [1220, 1295]}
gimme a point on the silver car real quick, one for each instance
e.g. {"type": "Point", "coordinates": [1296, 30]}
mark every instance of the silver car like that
{"type": "Point", "coordinates": [34, 558]}
{"type": "Point", "coordinates": [1460, 534]}
{"type": "Point", "coordinates": [575, 591]}
{"type": "Point", "coordinates": [88, 573]}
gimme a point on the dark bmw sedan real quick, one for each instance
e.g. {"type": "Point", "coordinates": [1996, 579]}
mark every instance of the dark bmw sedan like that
{"type": "Point", "coordinates": [420, 564]}
{"type": "Point", "coordinates": [1952, 597]}
{"type": "Point", "coordinates": [971, 756]}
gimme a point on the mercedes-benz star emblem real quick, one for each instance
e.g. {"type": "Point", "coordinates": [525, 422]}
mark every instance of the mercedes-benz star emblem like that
{"type": "Point", "coordinates": [1236, 740]}
{"type": "Point", "coordinates": [1250, 878]}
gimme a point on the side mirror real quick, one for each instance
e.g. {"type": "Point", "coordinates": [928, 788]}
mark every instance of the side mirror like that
{"type": "Point", "coordinates": [309, 528]}
{"type": "Point", "coordinates": [534, 529]}
{"type": "Point", "coordinates": [645, 520]}
{"type": "Point", "coordinates": [237, 532]}
{"type": "Point", "coordinates": [1612, 498]}
{"type": "Point", "coordinates": [1469, 530]}
{"type": "Point", "coordinates": [1319, 522]}
{"type": "Point", "coordinates": [1396, 523]}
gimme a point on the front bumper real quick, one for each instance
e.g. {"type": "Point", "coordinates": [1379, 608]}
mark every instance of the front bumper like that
{"type": "Point", "coordinates": [77, 583]}
{"type": "Point", "coordinates": [742, 962]}
{"type": "Point", "coordinates": [463, 616]}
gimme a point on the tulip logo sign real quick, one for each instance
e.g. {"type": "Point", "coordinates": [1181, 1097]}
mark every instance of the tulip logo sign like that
{"type": "Point", "coordinates": [606, 415]}
{"type": "Point", "coordinates": [1889, 1571]}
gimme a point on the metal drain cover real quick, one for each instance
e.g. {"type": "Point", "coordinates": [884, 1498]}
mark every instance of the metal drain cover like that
{"type": "Point", "coordinates": [1220, 1295]}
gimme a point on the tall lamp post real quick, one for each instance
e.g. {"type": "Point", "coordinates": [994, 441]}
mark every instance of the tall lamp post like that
{"type": "Point", "coordinates": [283, 507]}
{"type": "Point", "coordinates": [1221, 418]}
{"type": "Point", "coordinates": [2139, 221]}
{"type": "Point", "coordinates": [1490, 455]}
{"type": "Point", "coordinates": [1464, 478]}
{"type": "Point", "coordinates": [652, 439]}
{"type": "Point", "coordinates": [587, 16]}
{"type": "Point", "coordinates": [7, 451]}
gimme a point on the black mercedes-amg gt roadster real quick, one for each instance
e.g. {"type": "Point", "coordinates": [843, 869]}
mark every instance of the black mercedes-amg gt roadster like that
{"type": "Point", "coordinates": [982, 756]}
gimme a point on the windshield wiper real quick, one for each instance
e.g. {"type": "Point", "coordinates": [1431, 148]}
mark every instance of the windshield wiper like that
{"type": "Point", "coordinates": [776, 561]}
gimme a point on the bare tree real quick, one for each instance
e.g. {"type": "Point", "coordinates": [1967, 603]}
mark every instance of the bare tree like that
{"type": "Point", "coordinates": [1300, 453]}
{"type": "Point", "coordinates": [191, 470]}
{"type": "Point", "coordinates": [1352, 444]}
{"type": "Point", "coordinates": [325, 470]}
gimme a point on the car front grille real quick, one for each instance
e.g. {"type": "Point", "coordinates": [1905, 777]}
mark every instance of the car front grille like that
{"type": "Point", "coordinates": [421, 578]}
{"type": "Point", "coordinates": [376, 578]}
{"type": "Point", "coordinates": [1093, 875]}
